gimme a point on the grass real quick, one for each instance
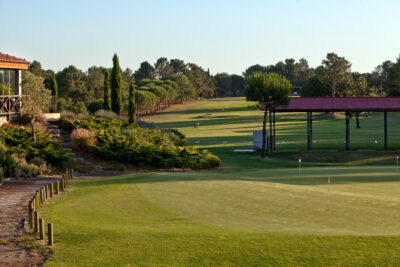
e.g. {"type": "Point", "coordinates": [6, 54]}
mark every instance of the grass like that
{"type": "Point", "coordinates": [252, 212]}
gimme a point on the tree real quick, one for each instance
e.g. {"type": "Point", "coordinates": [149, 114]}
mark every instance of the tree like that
{"type": "Point", "coordinates": [254, 69]}
{"type": "Point", "coordinates": [270, 89]}
{"type": "Point", "coordinates": [178, 66]}
{"type": "Point", "coordinates": [36, 98]}
{"type": "Point", "coordinates": [314, 87]}
{"type": "Point", "coordinates": [186, 88]}
{"type": "Point", "coordinates": [201, 80]}
{"type": "Point", "coordinates": [72, 83]}
{"type": "Point", "coordinates": [106, 88]}
{"type": "Point", "coordinates": [163, 69]}
{"type": "Point", "coordinates": [116, 86]}
{"type": "Point", "coordinates": [132, 104]}
{"type": "Point", "coordinates": [382, 73]}
{"type": "Point", "coordinates": [95, 81]}
{"type": "Point", "coordinates": [36, 68]}
{"type": "Point", "coordinates": [145, 71]}
{"type": "Point", "coordinates": [335, 72]}
{"type": "Point", "coordinates": [238, 84]}
{"type": "Point", "coordinates": [393, 79]}
{"type": "Point", "coordinates": [54, 89]}
{"type": "Point", "coordinates": [223, 84]}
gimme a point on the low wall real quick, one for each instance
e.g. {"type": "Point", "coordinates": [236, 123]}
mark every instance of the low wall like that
{"type": "Point", "coordinates": [3, 119]}
{"type": "Point", "coordinates": [52, 116]}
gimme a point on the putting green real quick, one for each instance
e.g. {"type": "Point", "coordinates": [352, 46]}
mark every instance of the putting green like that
{"type": "Point", "coordinates": [362, 201]}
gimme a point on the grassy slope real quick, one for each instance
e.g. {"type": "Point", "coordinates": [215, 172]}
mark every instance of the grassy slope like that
{"type": "Point", "coordinates": [249, 213]}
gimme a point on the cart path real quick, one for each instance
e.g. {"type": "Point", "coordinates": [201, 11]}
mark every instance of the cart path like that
{"type": "Point", "coordinates": [14, 199]}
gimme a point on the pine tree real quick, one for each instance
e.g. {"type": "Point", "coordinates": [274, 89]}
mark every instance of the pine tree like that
{"type": "Point", "coordinates": [132, 103]}
{"type": "Point", "coordinates": [107, 99]}
{"type": "Point", "coordinates": [54, 89]}
{"type": "Point", "coordinates": [116, 85]}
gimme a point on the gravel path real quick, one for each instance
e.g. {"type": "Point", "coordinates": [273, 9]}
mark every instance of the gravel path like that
{"type": "Point", "coordinates": [14, 198]}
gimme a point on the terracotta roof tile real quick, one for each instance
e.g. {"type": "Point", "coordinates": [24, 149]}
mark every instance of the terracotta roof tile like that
{"type": "Point", "coordinates": [8, 58]}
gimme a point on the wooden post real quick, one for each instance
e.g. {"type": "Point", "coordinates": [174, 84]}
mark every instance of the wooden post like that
{"type": "Point", "coordinates": [51, 190]}
{"type": "Point", "coordinates": [47, 192]}
{"type": "Point", "coordinates": [347, 131]}
{"type": "Point", "coordinates": [31, 217]}
{"type": "Point", "coordinates": [41, 223]}
{"type": "Point", "coordinates": [274, 131]}
{"type": "Point", "coordinates": [72, 174]}
{"type": "Point", "coordinates": [36, 219]}
{"type": "Point", "coordinates": [34, 203]}
{"type": "Point", "coordinates": [50, 233]}
{"type": "Point", "coordinates": [41, 196]}
{"type": "Point", "coordinates": [57, 187]}
{"type": "Point", "coordinates": [385, 128]}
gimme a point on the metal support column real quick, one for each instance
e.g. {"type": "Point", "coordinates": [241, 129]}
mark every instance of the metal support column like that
{"type": "Point", "coordinates": [385, 127]}
{"type": "Point", "coordinates": [308, 130]}
{"type": "Point", "coordinates": [347, 131]}
{"type": "Point", "coordinates": [270, 131]}
{"type": "Point", "coordinates": [273, 131]}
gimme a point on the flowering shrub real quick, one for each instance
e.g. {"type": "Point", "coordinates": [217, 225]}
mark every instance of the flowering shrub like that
{"type": "Point", "coordinates": [83, 139]}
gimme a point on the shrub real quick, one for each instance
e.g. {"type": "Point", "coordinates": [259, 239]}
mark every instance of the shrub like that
{"type": "Point", "coordinates": [106, 114]}
{"type": "Point", "coordinates": [118, 140]}
{"type": "Point", "coordinates": [24, 119]}
{"type": "Point", "coordinates": [82, 116]}
{"type": "Point", "coordinates": [19, 140]}
{"type": "Point", "coordinates": [83, 139]}
{"type": "Point", "coordinates": [67, 115]}
{"type": "Point", "coordinates": [95, 106]}
{"type": "Point", "coordinates": [22, 168]}
{"type": "Point", "coordinates": [176, 136]}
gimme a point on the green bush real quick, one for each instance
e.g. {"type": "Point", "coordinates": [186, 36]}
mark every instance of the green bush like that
{"type": "Point", "coordinates": [95, 106]}
{"type": "Point", "coordinates": [106, 114]}
{"type": "Point", "coordinates": [118, 140]}
{"type": "Point", "coordinates": [19, 140]}
{"type": "Point", "coordinates": [14, 161]}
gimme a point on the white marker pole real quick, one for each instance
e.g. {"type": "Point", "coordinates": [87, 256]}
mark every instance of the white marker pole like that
{"type": "Point", "coordinates": [299, 165]}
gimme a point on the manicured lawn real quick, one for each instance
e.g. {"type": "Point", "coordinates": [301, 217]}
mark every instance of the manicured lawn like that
{"type": "Point", "coordinates": [251, 212]}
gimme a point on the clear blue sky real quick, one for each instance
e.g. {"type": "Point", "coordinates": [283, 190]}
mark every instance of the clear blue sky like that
{"type": "Point", "coordinates": [225, 36]}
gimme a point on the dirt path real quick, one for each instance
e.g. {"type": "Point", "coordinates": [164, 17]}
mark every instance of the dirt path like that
{"type": "Point", "coordinates": [14, 198]}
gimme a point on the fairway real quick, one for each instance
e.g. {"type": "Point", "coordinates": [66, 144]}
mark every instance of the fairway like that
{"type": "Point", "coordinates": [250, 212]}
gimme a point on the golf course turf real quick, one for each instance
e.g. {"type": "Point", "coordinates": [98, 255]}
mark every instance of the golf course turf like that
{"type": "Point", "coordinates": [251, 211]}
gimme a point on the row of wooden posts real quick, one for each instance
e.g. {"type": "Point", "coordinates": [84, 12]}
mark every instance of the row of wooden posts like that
{"type": "Point", "coordinates": [39, 198]}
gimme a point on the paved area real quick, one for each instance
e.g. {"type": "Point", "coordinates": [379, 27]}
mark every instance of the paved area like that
{"type": "Point", "coordinates": [14, 198]}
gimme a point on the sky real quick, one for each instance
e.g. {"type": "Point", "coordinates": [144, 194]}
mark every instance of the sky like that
{"type": "Point", "coordinates": [222, 35]}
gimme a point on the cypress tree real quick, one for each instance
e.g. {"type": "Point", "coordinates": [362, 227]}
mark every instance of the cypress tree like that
{"type": "Point", "coordinates": [54, 89]}
{"type": "Point", "coordinates": [132, 103]}
{"type": "Point", "coordinates": [116, 84]}
{"type": "Point", "coordinates": [107, 99]}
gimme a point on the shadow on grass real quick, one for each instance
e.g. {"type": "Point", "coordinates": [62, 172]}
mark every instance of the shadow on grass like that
{"type": "Point", "coordinates": [291, 177]}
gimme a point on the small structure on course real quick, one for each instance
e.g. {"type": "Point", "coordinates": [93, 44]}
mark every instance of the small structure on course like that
{"type": "Point", "coordinates": [340, 104]}
{"type": "Point", "coordinates": [10, 85]}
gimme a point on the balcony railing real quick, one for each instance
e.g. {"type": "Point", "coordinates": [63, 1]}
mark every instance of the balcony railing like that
{"type": "Point", "coordinates": [10, 104]}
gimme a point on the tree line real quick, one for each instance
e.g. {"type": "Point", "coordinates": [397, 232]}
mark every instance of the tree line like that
{"type": "Point", "coordinates": [157, 86]}
{"type": "Point", "coordinates": [335, 78]}
{"type": "Point", "coordinates": [174, 81]}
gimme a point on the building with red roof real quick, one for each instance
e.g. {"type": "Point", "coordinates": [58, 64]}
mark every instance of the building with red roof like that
{"type": "Point", "coordinates": [10, 84]}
